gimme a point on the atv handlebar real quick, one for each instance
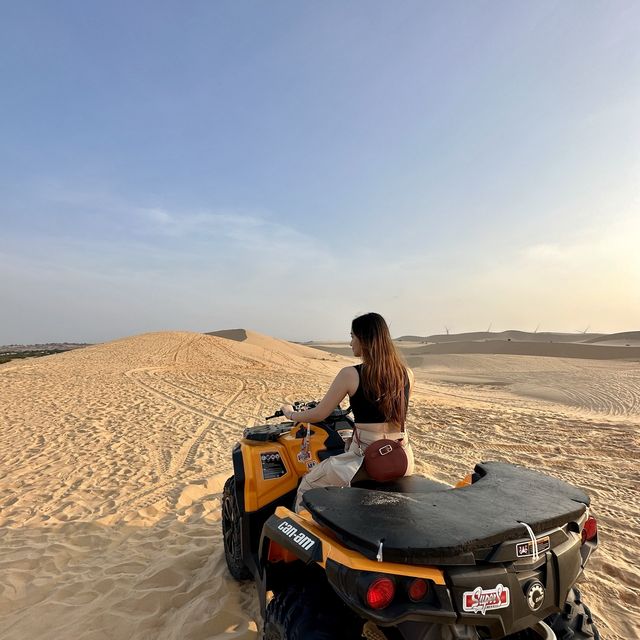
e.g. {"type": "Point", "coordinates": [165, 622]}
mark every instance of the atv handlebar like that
{"type": "Point", "coordinates": [297, 406]}
{"type": "Point", "coordinates": [336, 414]}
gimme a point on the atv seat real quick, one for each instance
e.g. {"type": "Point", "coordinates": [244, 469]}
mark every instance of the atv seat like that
{"type": "Point", "coordinates": [436, 524]}
{"type": "Point", "coordinates": [408, 484]}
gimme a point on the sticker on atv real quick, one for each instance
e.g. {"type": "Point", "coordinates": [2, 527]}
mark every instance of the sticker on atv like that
{"type": "Point", "coordinates": [482, 600]}
{"type": "Point", "coordinates": [292, 536]}
{"type": "Point", "coordinates": [299, 537]}
{"type": "Point", "coordinates": [272, 465]}
{"type": "Point", "coordinates": [525, 549]}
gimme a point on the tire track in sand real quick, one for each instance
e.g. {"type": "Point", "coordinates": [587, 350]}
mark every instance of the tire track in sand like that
{"type": "Point", "coordinates": [178, 466]}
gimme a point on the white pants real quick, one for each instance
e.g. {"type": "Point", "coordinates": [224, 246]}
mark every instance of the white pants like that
{"type": "Point", "coordinates": [337, 471]}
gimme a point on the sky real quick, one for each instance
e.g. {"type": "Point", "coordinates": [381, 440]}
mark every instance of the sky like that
{"type": "Point", "coordinates": [284, 166]}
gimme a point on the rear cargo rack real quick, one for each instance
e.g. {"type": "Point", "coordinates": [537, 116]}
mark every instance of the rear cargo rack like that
{"type": "Point", "coordinates": [450, 526]}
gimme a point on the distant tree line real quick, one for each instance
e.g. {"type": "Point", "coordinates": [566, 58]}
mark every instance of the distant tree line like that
{"type": "Point", "coordinates": [7, 356]}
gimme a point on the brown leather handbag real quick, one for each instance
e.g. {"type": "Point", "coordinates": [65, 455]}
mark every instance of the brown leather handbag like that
{"type": "Point", "coordinates": [384, 460]}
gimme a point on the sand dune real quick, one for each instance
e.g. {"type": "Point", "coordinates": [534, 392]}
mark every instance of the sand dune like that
{"type": "Point", "coordinates": [113, 457]}
{"type": "Point", "coordinates": [514, 336]}
{"type": "Point", "coordinates": [611, 350]}
{"type": "Point", "coordinates": [592, 389]}
{"type": "Point", "coordinates": [549, 349]}
{"type": "Point", "coordinates": [268, 344]}
{"type": "Point", "coordinates": [626, 338]}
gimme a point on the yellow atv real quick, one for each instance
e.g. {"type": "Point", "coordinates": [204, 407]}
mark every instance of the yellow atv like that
{"type": "Point", "coordinates": [496, 556]}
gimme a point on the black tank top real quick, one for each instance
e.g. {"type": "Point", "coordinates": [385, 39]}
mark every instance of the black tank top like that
{"type": "Point", "coordinates": [365, 411]}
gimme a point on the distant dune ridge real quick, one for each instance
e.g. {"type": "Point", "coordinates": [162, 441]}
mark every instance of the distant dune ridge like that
{"type": "Point", "coordinates": [523, 336]}
{"type": "Point", "coordinates": [549, 349]}
{"type": "Point", "coordinates": [113, 458]}
{"type": "Point", "coordinates": [632, 337]}
{"type": "Point", "coordinates": [597, 346]}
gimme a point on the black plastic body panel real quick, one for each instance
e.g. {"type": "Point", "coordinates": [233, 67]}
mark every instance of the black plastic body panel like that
{"type": "Point", "coordinates": [351, 586]}
{"type": "Point", "coordinates": [333, 440]}
{"type": "Point", "coordinates": [267, 432]}
{"type": "Point", "coordinates": [552, 575]}
{"type": "Point", "coordinates": [556, 571]}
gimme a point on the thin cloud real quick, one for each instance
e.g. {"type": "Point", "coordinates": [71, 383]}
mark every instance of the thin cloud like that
{"type": "Point", "coordinates": [210, 269]}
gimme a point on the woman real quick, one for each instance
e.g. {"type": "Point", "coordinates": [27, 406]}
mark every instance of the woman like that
{"type": "Point", "coordinates": [378, 390]}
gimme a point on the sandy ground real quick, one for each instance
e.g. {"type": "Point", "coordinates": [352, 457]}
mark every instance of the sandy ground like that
{"type": "Point", "coordinates": [112, 460]}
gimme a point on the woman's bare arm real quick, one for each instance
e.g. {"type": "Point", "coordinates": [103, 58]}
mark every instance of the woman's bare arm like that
{"type": "Point", "coordinates": [345, 382]}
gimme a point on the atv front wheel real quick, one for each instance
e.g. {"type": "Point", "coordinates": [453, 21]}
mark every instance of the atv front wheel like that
{"type": "Point", "coordinates": [574, 622]}
{"type": "Point", "coordinates": [309, 612]}
{"type": "Point", "coordinates": [231, 532]}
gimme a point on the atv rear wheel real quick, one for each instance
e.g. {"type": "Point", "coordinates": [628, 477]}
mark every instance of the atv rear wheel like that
{"type": "Point", "coordinates": [231, 532]}
{"type": "Point", "coordinates": [574, 622]}
{"type": "Point", "coordinates": [310, 612]}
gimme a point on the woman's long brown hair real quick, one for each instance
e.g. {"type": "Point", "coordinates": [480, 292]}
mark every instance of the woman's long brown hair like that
{"type": "Point", "coordinates": [383, 376]}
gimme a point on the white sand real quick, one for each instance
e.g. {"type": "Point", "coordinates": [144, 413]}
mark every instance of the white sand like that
{"type": "Point", "coordinates": [112, 460]}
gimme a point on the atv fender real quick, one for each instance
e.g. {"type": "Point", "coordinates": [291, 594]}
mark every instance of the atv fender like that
{"type": "Point", "coordinates": [293, 537]}
{"type": "Point", "coordinates": [288, 543]}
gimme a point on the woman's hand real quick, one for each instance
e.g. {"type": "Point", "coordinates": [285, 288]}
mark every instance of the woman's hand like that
{"type": "Point", "coordinates": [287, 410]}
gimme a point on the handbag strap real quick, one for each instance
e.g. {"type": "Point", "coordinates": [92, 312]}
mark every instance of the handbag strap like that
{"type": "Point", "coordinates": [357, 438]}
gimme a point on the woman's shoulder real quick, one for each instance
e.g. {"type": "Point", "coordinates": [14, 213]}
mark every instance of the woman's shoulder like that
{"type": "Point", "coordinates": [350, 372]}
{"type": "Point", "coordinates": [347, 380]}
{"type": "Point", "coordinates": [350, 376]}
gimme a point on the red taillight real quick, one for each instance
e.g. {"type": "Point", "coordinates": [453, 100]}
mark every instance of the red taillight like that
{"type": "Point", "coordinates": [418, 589]}
{"type": "Point", "coordinates": [380, 593]}
{"type": "Point", "coordinates": [590, 529]}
